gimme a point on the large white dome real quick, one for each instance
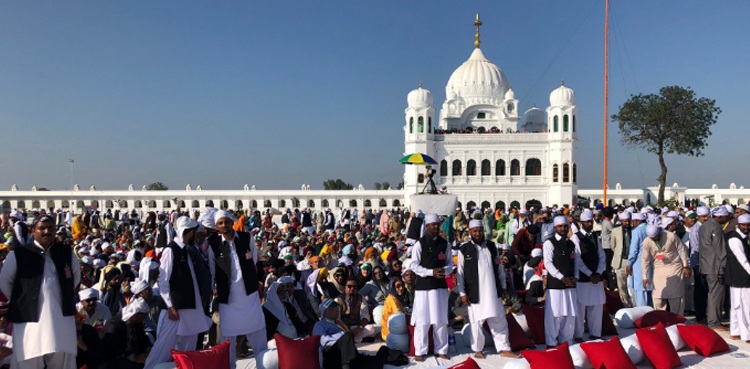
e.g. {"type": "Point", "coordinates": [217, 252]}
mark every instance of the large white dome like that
{"type": "Point", "coordinates": [562, 96]}
{"type": "Point", "coordinates": [419, 97]}
{"type": "Point", "coordinates": [478, 78]}
{"type": "Point", "coordinates": [534, 115]}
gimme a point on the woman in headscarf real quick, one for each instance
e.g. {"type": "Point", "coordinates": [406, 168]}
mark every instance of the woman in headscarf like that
{"type": "Point", "coordinates": [277, 318]}
{"type": "Point", "coordinates": [337, 280]}
{"type": "Point", "coordinates": [364, 275]}
{"type": "Point", "coordinates": [398, 301]}
{"type": "Point", "coordinates": [78, 228]}
{"type": "Point", "coordinates": [113, 297]}
{"type": "Point", "coordinates": [376, 290]}
{"type": "Point", "coordinates": [150, 224]}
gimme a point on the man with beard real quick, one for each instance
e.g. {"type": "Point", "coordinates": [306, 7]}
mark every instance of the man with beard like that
{"type": "Point", "coordinates": [432, 261]}
{"type": "Point", "coordinates": [481, 284]}
{"type": "Point", "coordinates": [620, 243]}
{"type": "Point", "coordinates": [184, 318]}
{"type": "Point", "coordinates": [232, 260]}
{"type": "Point", "coordinates": [44, 331]}
{"type": "Point", "coordinates": [590, 292]}
{"type": "Point", "coordinates": [561, 305]}
{"type": "Point", "coordinates": [164, 231]}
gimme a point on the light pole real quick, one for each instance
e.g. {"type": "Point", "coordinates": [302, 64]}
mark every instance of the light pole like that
{"type": "Point", "coordinates": [71, 161]}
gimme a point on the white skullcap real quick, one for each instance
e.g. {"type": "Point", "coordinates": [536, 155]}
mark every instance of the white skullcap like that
{"type": "Point", "coordinates": [183, 224]}
{"type": "Point", "coordinates": [98, 263]}
{"type": "Point", "coordinates": [431, 218]}
{"type": "Point", "coordinates": [744, 219]}
{"type": "Point", "coordinates": [475, 223]}
{"type": "Point", "coordinates": [645, 210]}
{"type": "Point", "coordinates": [673, 214]}
{"type": "Point", "coordinates": [106, 245]}
{"type": "Point", "coordinates": [207, 218]}
{"type": "Point", "coordinates": [664, 210]}
{"type": "Point", "coordinates": [524, 211]}
{"type": "Point", "coordinates": [559, 220]}
{"type": "Point", "coordinates": [729, 208]}
{"type": "Point", "coordinates": [504, 246]}
{"type": "Point", "coordinates": [89, 293]}
{"type": "Point", "coordinates": [134, 307]}
{"type": "Point", "coordinates": [419, 212]}
{"type": "Point", "coordinates": [666, 221]}
{"type": "Point", "coordinates": [222, 214]}
{"type": "Point", "coordinates": [587, 216]}
{"type": "Point", "coordinates": [16, 214]}
{"type": "Point", "coordinates": [639, 216]}
{"type": "Point", "coordinates": [652, 230]}
{"type": "Point", "coordinates": [536, 253]}
{"type": "Point", "coordinates": [625, 215]}
{"type": "Point", "coordinates": [702, 210]}
{"type": "Point", "coordinates": [137, 286]}
{"type": "Point", "coordinates": [744, 207]}
{"type": "Point", "coordinates": [721, 211]}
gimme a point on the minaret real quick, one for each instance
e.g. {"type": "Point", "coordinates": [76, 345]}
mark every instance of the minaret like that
{"type": "Point", "coordinates": [418, 135]}
{"type": "Point", "coordinates": [561, 131]}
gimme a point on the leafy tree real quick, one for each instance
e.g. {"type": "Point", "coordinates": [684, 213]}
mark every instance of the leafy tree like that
{"type": "Point", "coordinates": [386, 186]}
{"type": "Point", "coordinates": [673, 122]}
{"type": "Point", "coordinates": [401, 185]}
{"type": "Point", "coordinates": [42, 189]}
{"type": "Point", "coordinates": [157, 186]}
{"type": "Point", "coordinates": [378, 186]}
{"type": "Point", "coordinates": [337, 184]}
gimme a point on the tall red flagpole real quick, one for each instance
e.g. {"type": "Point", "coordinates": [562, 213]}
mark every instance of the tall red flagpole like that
{"type": "Point", "coordinates": [606, 97]}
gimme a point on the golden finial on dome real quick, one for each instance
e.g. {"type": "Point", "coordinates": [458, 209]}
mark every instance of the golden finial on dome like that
{"type": "Point", "coordinates": [477, 24]}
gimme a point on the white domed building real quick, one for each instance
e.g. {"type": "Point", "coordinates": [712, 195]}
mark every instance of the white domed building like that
{"type": "Point", "coordinates": [487, 154]}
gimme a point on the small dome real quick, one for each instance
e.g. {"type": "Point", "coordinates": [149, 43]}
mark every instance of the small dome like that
{"type": "Point", "coordinates": [477, 78]}
{"type": "Point", "coordinates": [419, 97]}
{"type": "Point", "coordinates": [510, 95]}
{"type": "Point", "coordinates": [534, 115]}
{"type": "Point", "coordinates": [562, 96]}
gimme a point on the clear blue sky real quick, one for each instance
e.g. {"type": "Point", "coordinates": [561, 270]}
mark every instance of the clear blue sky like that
{"type": "Point", "coordinates": [280, 93]}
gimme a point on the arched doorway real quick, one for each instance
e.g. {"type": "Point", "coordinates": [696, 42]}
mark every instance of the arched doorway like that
{"type": "Point", "coordinates": [486, 205]}
{"type": "Point", "coordinates": [367, 203]}
{"type": "Point", "coordinates": [396, 203]}
{"type": "Point", "coordinates": [95, 204]}
{"type": "Point", "coordinates": [383, 203]}
{"type": "Point", "coordinates": [195, 204]}
{"type": "Point", "coordinates": [224, 204]}
{"type": "Point", "coordinates": [311, 204]}
{"type": "Point", "coordinates": [324, 203]}
{"type": "Point", "coordinates": [210, 203]}
{"type": "Point", "coordinates": [267, 203]}
{"type": "Point", "coordinates": [500, 205]}
{"type": "Point", "coordinates": [515, 205]}
{"type": "Point", "coordinates": [239, 204]}
{"type": "Point", "coordinates": [471, 205]}
{"type": "Point", "coordinates": [535, 203]}
{"type": "Point", "coordinates": [35, 204]}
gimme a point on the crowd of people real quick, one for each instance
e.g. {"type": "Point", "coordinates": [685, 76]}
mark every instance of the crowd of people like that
{"type": "Point", "coordinates": [121, 289]}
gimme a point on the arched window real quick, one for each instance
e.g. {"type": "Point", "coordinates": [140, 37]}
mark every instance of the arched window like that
{"type": "Point", "coordinates": [574, 125]}
{"type": "Point", "coordinates": [420, 125]}
{"type": "Point", "coordinates": [471, 168]}
{"type": "Point", "coordinates": [195, 204]}
{"type": "Point", "coordinates": [556, 123]}
{"type": "Point", "coordinates": [500, 167]}
{"type": "Point", "coordinates": [382, 203]}
{"type": "Point", "coordinates": [533, 167]}
{"type": "Point", "coordinates": [481, 130]}
{"type": "Point", "coordinates": [429, 124]}
{"type": "Point", "coordinates": [368, 203]}
{"type": "Point", "coordinates": [575, 174]}
{"type": "Point", "coordinates": [555, 173]}
{"type": "Point", "coordinates": [485, 167]}
{"type": "Point", "coordinates": [266, 203]}
{"type": "Point", "coordinates": [566, 173]}
{"type": "Point", "coordinates": [481, 115]}
{"type": "Point", "coordinates": [352, 203]}
{"type": "Point", "coordinates": [324, 203]}
{"type": "Point", "coordinates": [396, 203]}
{"type": "Point", "coordinates": [443, 168]}
{"type": "Point", "coordinates": [311, 204]}
{"type": "Point", "coordinates": [457, 167]}
{"type": "Point", "coordinates": [565, 123]}
{"type": "Point", "coordinates": [254, 204]}
{"type": "Point", "coordinates": [485, 205]}
{"type": "Point", "coordinates": [282, 203]}
{"type": "Point", "coordinates": [411, 125]}
{"type": "Point", "coordinates": [500, 205]}
{"type": "Point", "coordinates": [515, 167]}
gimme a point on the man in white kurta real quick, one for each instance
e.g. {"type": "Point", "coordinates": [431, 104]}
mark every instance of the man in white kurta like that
{"type": "Point", "coordinates": [561, 305]}
{"type": "Point", "coordinates": [431, 305]}
{"type": "Point", "coordinates": [489, 307]}
{"type": "Point", "coordinates": [49, 342]}
{"type": "Point", "coordinates": [589, 288]}
{"type": "Point", "coordinates": [738, 268]}
{"type": "Point", "coordinates": [242, 314]}
{"type": "Point", "coordinates": [178, 328]}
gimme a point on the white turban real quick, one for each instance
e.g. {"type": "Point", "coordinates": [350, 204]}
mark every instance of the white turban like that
{"type": "Point", "coordinates": [702, 210]}
{"type": "Point", "coordinates": [744, 207]}
{"type": "Point", "coordinates": [536, 252]}
{"type": "Point", "coordinates": [135, 307]}
{"type": "Point", "coordinates": [587, 216]}
{"type": "Point", "coordinates": [222, 214]}
{"type": "Point", "coordinates": [666, 221]}
{"type": "Point", "coordinates": [16, 214]}
{"type": "Point", "coordinates": [431, 218]}
{"type": "Point", "coordinates": [183, 224]}
{"type": "Point", "coordinates": [652, 230]}
{"type": "Point", "coordinates": [560, 220]}
{"type": "Point", "coordinates": [475, 223]}
{"type": "Point", "coordinates": [744, 219]}
{"type": "Point", "coordinates": [89, 293]}
{"type": "Point", "coordinates": [524, 211]}
{"type": "Point", "coordinates": [98, 263]}
{"type": "Point", "coordinates": [207, 218]}
{"type": "Point", "coordinates": [639, 216]}
{"type": "Point", "coordinates": [729, 208]}
{"type": "Point", "coordinates": [137, 286]}
{"type": "Point", "coordinates": [625, 215]}
{"type": "Point", "coordinates": [721, 212]}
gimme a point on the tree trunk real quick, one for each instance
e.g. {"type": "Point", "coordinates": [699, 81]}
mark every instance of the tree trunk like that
{"type": "Point", "coordinates": [662, 177]}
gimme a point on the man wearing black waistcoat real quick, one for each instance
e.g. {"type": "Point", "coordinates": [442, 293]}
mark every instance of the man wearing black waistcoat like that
{"type": "Point", "coordinates": [562, 263]}
{"type": "Point", "coordinates": [432, 261]}
{"type": "Point", "coordinates": [232, 260]}
{"type": "Point", "coordinates": [42, 302]}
